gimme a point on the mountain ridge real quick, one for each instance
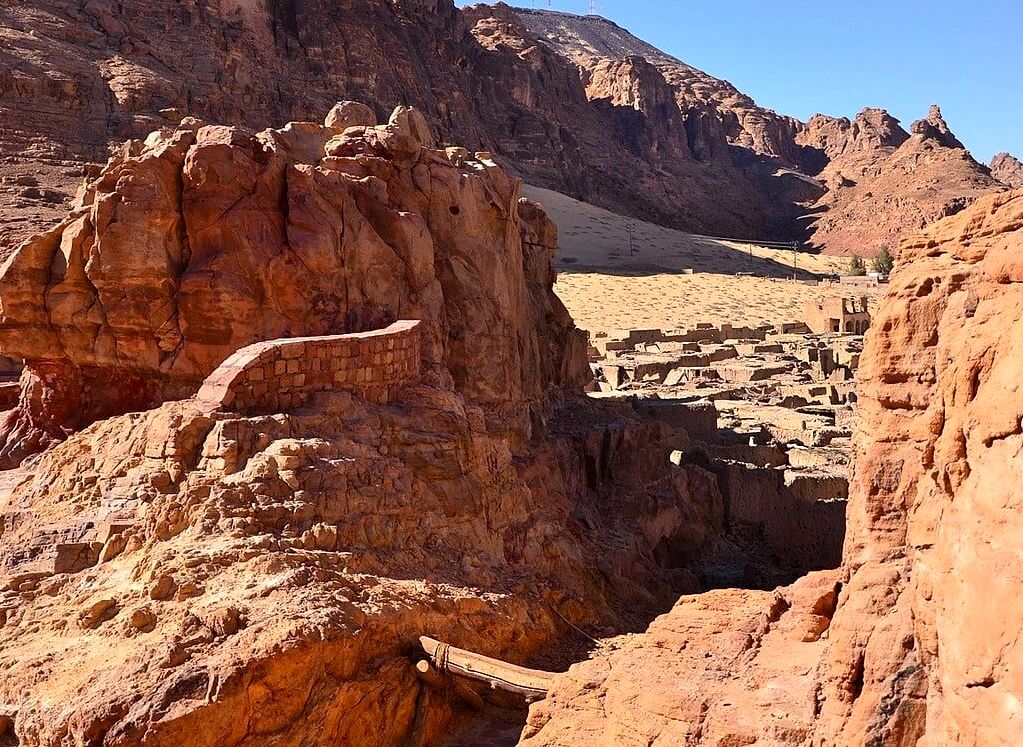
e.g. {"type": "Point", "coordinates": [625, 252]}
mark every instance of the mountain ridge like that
{"type": "Point", "coordinates": [658, 140]}
{"type": "Point", "coordinates": [879, 181]}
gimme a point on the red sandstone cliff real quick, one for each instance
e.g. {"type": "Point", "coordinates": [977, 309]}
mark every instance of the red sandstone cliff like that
{"type": "Point", "coordinates": [204, 239]}
{"type": "Point", "coordinates": [187, 574]}
{"type": "Point", "coordinates": [77, 77]}
{"type": "Point", "coordinates": [853, 186]}
{"type": "Point", "coordinates": [922, 645]}
{"type": "Point", "coordinates": [539, 90]}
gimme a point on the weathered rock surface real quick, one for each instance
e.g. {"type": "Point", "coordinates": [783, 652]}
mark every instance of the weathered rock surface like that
{"type": "Point", "coordinates": [923, 647]}
{"type": "Point", "coordinates": [78, 77]}
{"type": "Point", "coordinates": [183, 574]}
{"type": "Point", "coordinates": [925, 644]}
{"type": "Point", "coordinates": [204, 239]}
{"type": "Point", "coordinates": [884, 183]}
{"type": "Point", "coordinates": [730, 667]}
{"type": "Point", "coordinates": [1007, 169]}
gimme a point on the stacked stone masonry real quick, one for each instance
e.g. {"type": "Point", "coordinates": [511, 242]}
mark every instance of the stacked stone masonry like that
{"type": "Point", "coordinates": [277, 375]}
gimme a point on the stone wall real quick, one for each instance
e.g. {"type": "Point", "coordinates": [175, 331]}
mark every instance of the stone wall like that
{"type": "Point", "coordinates": [801, 519]}
{"type": "Point", "coordinates": [276, 375]}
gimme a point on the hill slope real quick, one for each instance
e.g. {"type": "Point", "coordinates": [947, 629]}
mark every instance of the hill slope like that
{"type": "Point", "coordinates": [639, 131]}
{"type": "Point", "coordinates": [865, 183]}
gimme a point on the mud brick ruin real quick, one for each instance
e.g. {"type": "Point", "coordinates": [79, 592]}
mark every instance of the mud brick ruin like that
{"type": "Point", "coordinates": [276, 375]}
{"type": "Point", "coordinates": [849, 315]}
{"type": "Point", "coordinates": [769, 410]}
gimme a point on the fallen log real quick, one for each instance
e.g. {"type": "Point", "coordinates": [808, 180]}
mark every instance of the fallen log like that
{"type": "Point", "coordinates": [432, 677]}
{"type": "Point", "coordinates": [533, 683]}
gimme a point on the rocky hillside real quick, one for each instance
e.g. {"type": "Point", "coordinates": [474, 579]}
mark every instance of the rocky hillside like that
{"type": "Point", "coordinates": [883, 182]}
{"type": "Point", "coordinates": [77, 77]}
{"type": "Point", "coordinates": [187, 573]}
{"type": "Point", "coordinates": [1007, 169]}
{"type": "Point", "coordinates": [586, 40]}
{"type": "Point", "coordinates": [638, 132]}
{"type": "Point", "coordinates": [916, 640]}
{"type": "Point", "coordinates": [847, 184]}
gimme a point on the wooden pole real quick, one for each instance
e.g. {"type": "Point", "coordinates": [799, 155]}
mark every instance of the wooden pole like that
{"type": "Point", "coordinates": [533, 683]}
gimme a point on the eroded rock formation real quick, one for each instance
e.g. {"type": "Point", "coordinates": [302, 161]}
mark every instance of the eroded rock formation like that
{"type": "Point", "coordinates": [1007, 169]}
{"type": "Point", "coordinates": [923, 646]}
{"type": "Point", "coordinates": [204, 239]}
{"type": "Point", "coordinates": [185, 574]}
{"type": "Point", "coordinates": [78, 77]}
{"type": "Point", "coordinates": [542, 91]}
{"type": "Point", "coordinates": [884, 182]}
{"type": "Point", "coordinates": [859, 187]}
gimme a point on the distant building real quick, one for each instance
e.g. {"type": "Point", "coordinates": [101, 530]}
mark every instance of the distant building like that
{"type": "Point", "coordinates": [848, 315]}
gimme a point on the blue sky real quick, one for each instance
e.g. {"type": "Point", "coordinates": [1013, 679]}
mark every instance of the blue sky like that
{"type": "Point", "coordinates": [800, 57]}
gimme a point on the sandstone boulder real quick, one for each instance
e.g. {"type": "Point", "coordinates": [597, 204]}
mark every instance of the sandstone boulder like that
{"type": "Point", "coordinates": [345, 114]}
{"type": "Point", "coordinates": [204, 239]}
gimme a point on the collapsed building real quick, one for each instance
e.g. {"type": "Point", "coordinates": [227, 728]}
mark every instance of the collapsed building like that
{"type": "Point", "coordinates": [837, 314]}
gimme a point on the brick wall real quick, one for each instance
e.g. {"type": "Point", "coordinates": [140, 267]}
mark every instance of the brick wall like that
{"type": "Point", "coordinates": [276, 375]}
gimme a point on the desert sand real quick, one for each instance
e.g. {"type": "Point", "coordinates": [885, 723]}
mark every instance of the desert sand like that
{"type": "Point", "coordinates": [667, 278]}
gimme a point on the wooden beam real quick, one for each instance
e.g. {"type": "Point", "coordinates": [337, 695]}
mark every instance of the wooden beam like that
{"type": "Point", "coordinates": [533, 683]}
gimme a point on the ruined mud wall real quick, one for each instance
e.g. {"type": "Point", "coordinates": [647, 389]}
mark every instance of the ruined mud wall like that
{"type": "Point", "coordinates": [804, 528]}
{"type": "Point", "coordinates": [276, 375]}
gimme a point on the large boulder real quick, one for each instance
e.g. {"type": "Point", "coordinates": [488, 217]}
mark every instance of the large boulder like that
{"type": "Point", "coordinates": [204, 239]}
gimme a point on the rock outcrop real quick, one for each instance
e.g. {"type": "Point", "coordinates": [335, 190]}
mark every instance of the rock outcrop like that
{"type": "Point", "coordinates": [1008, 170]}
{"type": "Point", "coordinates": [204, 239]}
{"type": "Point", "coordinates": [730, 667]}
{"type": "Point", "coordinates": [922, 646]}
{"type": "Point", "coordinates": [883, 183]}
{"type": "Point", "coordinates": [209, 570]}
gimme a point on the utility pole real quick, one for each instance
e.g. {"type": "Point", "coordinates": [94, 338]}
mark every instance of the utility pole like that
{"type": "Point", "coordinates": [632, 245]}
{"type": "Point", "coordinates": [593, 7]}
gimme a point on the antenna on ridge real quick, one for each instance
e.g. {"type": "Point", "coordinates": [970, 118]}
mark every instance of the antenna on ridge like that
{"type": "Point", "coordinates": [593, 7]}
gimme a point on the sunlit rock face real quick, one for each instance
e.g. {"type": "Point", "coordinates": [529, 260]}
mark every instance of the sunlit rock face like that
{"type": "Point", "coordinates": [915, 641]}
{"type": "Point", "coordinates": [207, 570]}
{"type": "Point", "coordinates": [204, 239]}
